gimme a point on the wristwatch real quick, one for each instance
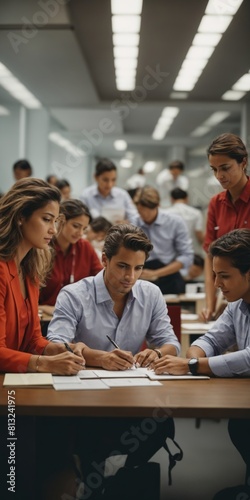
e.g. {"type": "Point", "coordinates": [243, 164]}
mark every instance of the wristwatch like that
{"type": "Point", "coordinates": [193, 365]}
{"type": "Point", "coordinates": [158, 352]}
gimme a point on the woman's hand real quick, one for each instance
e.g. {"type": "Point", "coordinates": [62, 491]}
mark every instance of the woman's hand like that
{"type": "Point", "coordinates": [65, 363]}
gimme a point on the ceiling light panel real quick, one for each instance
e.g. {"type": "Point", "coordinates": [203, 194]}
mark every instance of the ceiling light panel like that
{"type": "Point", "coordinates": [126, 24]}
{"type": "Point", "coordinates": [219, 7]}
{"type": "Point", "coordinates": [126, 6]}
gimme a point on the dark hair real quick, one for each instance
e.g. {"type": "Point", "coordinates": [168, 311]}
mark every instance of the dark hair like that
{"type": "Point", "coordinates": [22, 165]}
{"type": "Point", "coordinates": [25, 197]}
{"type": "Point", "coordinates": [236, 246]}
{"type": "Point", "coordinates": [176, 164]}
{"type": "Point", "coordinates": [230, 145]}
{"type": "Point", "coordinates": [147, 197]}
{"type": "Point", "coordinates": [178, 194]}
{"type": "Point", "coordinates": [104, 165]}
{"type": "Point", "coordinates": [49, 177]}
{"type": "Point", "coordinates": [62, 183]}
{"type": "Point", "coordinates": [127, 236]}
{"type": "Point", "coordinates": [100, 224]}
{"type": "Point", "coordinates": [74, 208]}
{"type": "Point", "coordinates": [198, 260]}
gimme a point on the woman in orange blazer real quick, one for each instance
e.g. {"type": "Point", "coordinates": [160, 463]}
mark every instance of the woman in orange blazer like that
{"type": "Point", "coordinates": [28, 215]}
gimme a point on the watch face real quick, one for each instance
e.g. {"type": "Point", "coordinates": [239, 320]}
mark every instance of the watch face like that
{"type": "Point", "coordinates": [193, 365]}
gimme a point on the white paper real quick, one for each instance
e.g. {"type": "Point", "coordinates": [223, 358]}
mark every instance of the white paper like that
{"type": "Point", "coordinates": [197, 326]}
{"type": "Point", "coordinates": [86, 374]}
{"type": "Point", "coordinates": [129, 382]}
{"type": "Point", "coordinates": [131, 373]}
{"type": "Point", "coordinates": [66, 379]}
{"type": "Point", "coordinates": [189, 316]}
{"type": "Point", "coordinates": [28, 379]}
{"type": "Point", "coordinates": [165, 376]}
{"type": "Point", "coordinates": [83, 385]}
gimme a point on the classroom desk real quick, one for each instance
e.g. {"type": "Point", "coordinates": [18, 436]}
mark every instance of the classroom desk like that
{"type": "Point", "coordinates": [213, 398]}
{"type": "Point", "coordinates": [196, 301]}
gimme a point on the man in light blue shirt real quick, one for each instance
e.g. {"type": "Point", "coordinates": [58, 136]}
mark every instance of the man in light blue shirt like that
{"type": "Point", "coordinates": [169, 235]}
{"type": "Point", "coordinates": [104, 198]}
{"type": "Point", "coordinates": [116, 303]}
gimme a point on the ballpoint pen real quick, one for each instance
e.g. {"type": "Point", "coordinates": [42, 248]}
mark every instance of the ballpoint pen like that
{"type": "Point", "coordinates": [68, 347]}
{"type": "Point", "coordinates": [113, 342]}
{"type": "Point", "coordinates": [116, 346]}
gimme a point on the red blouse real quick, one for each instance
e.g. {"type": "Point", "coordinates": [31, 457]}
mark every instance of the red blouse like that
{"type": "Point", "coordinates": [80, 262]}
{"type": "Point", "coordinates": [224, 216]}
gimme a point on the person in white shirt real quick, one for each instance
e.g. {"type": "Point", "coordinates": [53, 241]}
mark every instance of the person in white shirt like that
{"type": "Point", "coordinates": [192, 216]}
{"type": "Point", "coordinates": [104, 198]}
{"type": "Point", "coordinates": [170, 178]}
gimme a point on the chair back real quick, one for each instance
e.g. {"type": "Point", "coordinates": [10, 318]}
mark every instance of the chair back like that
{"type": "Point", "coordinates": [174, 312]}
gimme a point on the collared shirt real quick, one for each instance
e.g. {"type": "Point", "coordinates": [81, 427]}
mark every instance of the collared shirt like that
{"type": "Point", "coordinates": [81, 261]}
{"type": "Point", "coordinates": [116, 206]}
{"type": "Point", "coordinates": [166, 183]}
{"type": "Point", "coordinates": [84, 313]}
{"type": "Point", "coordinates": [224, 216]}
{"type": "Point", "coordinates": [193, 218]}
{"type": "Point", "coordinates": [169, 235]}
{"type": "Point", "coordinates": [232, 327]}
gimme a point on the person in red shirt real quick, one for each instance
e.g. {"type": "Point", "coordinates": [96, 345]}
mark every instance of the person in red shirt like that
{"type": "Point", "coordinates": [74, 257]}
{"type": "Point", "coordinates": [229, 209]}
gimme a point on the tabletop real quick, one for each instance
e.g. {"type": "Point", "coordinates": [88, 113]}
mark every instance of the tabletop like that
{"type": "Point", "coordinates": [213, 398]}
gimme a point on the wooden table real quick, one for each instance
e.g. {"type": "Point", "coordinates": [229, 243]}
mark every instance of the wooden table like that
{"type": "Point", "coordinates": [195, 300]}
{"type": "Point", "coordinates": [213, 398]}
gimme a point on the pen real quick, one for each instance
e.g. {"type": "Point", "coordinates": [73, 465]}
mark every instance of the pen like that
{"type": "Point", "coordinates": [116, 346]}
{"type": "Point", "coordinates": [113, 342]}
{"type": "Point", "coordinates": [68, 347]}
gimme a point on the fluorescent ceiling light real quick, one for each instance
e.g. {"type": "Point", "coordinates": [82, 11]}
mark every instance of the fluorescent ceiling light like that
{"type": "Point", "coordinates": [233, 95]}
{"type": "Point", "coordinates": [125, 85]}
{"type": "Point", "coordinates": [126, 163]}
{"type": "Point", "coordinates": [10, 83]}
{"type": "Point", "coordinates": [216, 118]}
{"type": "Point", "coordinates": [126, 24]}
{"type": "Point", "coordinates": [60, 141]}
{"type": "Point", "coordinates": [171, 111]}
{"type": "Point", "coordinates": [214, 24]}
{"type": "Point", "coordinates": [196, 52]}
{"type": "Point", "coordinates": [202, 130]}
{"type": "Point", "coordinates": [178, 95]}
{"type": "Point", "coordinates": [194, 63]}
{"type": "Point", "coordinates": [149, 166]}
{"type": "Point", "coordinates": [4, 111]}
{"type": "Point", "coordinates": [126, 6]}
{"type": "Point", "coordinates": [158, 135]}
{"type": "Point", "coordinates": [220, 7]}
{"type": "Point", "coordinates": [125, 63]}
{"type": "Point", "coordinates": [243, 83]}
{"type": "Point", "coordinates": [182, 85]}
{"type": "Point", "coordinates": [120, 145]}
{"type": "Point", "coordinates": [207, 39]}
{"type": "Point", "coordinates": [125, 39]}
{"type": "Point", "coordinates": [121, 52]}
{"type": "Point", "coordinates": [124, 72]}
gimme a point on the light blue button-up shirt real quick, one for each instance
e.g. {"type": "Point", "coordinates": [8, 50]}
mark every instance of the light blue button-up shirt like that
{"type": "Point", "coordinates": [118, 200]}
{"type": "Point", "coordinates": [232, 327]}
{"type": "Point", "coordinates": [84, 313]}
{"type": "Point", "coordinates": [170, 237]}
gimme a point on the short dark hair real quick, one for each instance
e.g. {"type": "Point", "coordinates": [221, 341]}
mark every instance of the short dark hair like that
{"type": "Point", "coordinates": [22, 165]}
{"type": "Point", "coordinates": [236, 246]}
{"type": "Point", "coordinates": [198, 260]}
{"type": "Point", "coordinates": [230, 145]}
{"type": "Point", "coordinates": [104, 165]}
{"type": "Point", "coordinates": [62, 183]}
{"type": "Point", "coordinates": [178, 194]}
{"type": "Point", "coordinates": [147, 196]}
{"type": "Point", "coordinates": [176, 164]}
{"type": "Point", "coordinates": [100, 224]}
{"type": "Point", "coordinates": [127, 236]}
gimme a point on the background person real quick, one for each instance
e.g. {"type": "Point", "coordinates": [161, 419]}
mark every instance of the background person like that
{"type": "Point", "coordinates": [28, 212]}
{"type": "Point", "coordinates": [65, 188]}
{"type": "Point", "coordinates": [21, 169]}
{"type": "Point", "coordinates": [105, 198]}
{"type": "Point", "coordinates": [74, 257]}
{"type": "Point", "coordinates": [172, 247]}
{"type": "Point", "coordinates": [96, 233]}
{"type": "Point", "coordinates": [169, 179]}
{"type": "Point", "coordinates": [229, 209]}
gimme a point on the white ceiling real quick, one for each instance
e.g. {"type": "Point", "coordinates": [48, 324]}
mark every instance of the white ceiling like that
{"type": "Point", "coordinates": [65, 59]}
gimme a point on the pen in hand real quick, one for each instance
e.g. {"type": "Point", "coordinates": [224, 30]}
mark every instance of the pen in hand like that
{"type": "Point", "coordinates": [113, 342]}
{"type": "Point", "coordinates": [116, 346]}
{"type": "Point", "coordinates": [68, 347]}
